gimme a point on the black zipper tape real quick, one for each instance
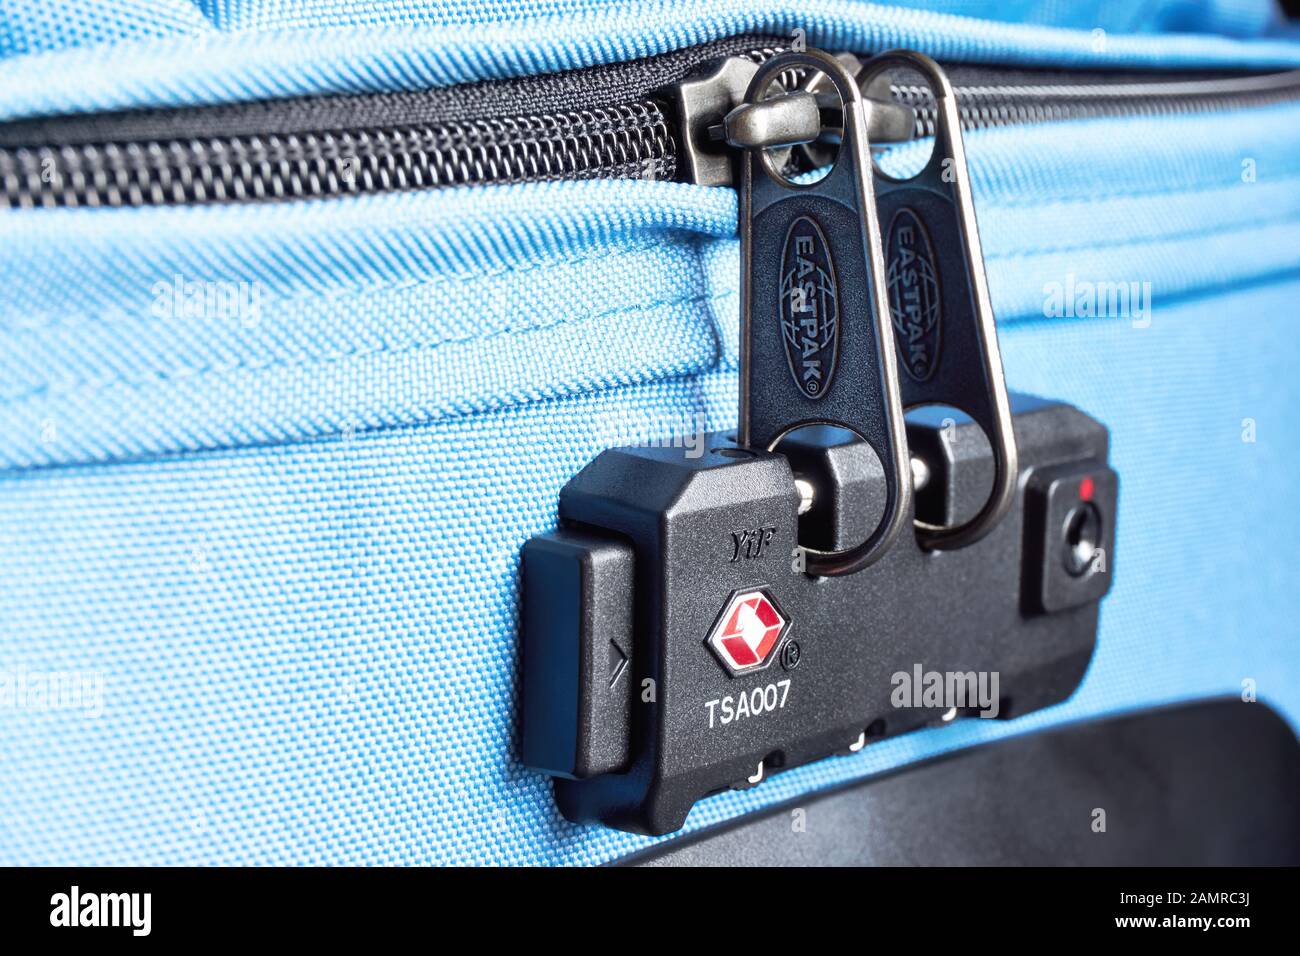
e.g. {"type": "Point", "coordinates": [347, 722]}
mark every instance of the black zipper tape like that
{"type": "Point", "coordinates": [596, 123]}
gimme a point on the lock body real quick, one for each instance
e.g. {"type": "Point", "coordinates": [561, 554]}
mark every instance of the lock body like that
{"type": "Point", "coordinates": [719, 660]}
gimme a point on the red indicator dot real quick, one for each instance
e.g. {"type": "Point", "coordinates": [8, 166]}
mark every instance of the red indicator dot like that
{"type": "Point", "coordinates": [1085, 489]}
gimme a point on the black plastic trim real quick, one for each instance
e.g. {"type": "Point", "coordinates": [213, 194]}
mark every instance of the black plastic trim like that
{"type": "Point", "coordinates": [1210, 783]}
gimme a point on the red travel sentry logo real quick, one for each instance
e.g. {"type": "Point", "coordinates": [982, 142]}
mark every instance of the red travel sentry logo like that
{"type": "Point", "coordinates": [748, 631]}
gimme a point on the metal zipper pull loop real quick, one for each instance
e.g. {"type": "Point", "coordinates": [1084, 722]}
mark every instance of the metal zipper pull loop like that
{"type": "Point", "coordinates": [816, 344]}
{"type": "Point", "coordinates": [938, 297]}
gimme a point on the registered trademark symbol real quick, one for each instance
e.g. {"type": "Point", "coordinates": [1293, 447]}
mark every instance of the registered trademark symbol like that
{"type": "Point", "coordinates": [812, 387]}
{"type": "Point", "coordinates": [790, 655]}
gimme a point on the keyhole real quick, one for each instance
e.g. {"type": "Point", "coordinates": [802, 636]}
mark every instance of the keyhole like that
{"type": "Point", "coordinates": [1082, 538]}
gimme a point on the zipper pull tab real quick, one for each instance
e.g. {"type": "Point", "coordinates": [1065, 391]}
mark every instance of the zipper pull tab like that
{"type": "Point", "coordinates": [816, 343]}
{"type": "Point", "coordinates": [938, 296]}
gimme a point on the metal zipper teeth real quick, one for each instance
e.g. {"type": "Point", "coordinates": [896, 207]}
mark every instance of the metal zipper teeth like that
{"type": "Point", "coordinates": [983, 107]}
{"type": "Point", "coordinates": [608, 142]}
{"type": "Point", "coordinates": [636, 140]}
{"type": "Point", "coordinates": [402, 147]}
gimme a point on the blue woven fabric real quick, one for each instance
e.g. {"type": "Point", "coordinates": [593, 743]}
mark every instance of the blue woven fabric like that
{"type": "Point", "coordinates": [253, 49]}
{"type": "Point", "coordinates": [288, 541]}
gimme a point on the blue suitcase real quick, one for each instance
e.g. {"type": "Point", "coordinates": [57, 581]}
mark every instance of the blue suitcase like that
{"type": "Point", "coordinates": [312, 309]}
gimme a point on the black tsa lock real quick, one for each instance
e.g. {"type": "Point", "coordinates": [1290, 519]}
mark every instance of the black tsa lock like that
{"type": "Point", "coordinates": [698, 623]}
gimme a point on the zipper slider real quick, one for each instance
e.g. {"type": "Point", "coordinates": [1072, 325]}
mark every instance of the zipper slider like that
{"type": "Point", "coordinates": [703, 101]}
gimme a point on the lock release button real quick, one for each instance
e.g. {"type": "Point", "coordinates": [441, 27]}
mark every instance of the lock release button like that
{"type": "Point", "coordinates": [577, 653]}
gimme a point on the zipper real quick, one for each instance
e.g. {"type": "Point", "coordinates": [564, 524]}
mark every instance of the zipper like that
{"type": "Point", "coordinates": [1073, 97]}
{"type": "Point", "coordinates": [611, 122]}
